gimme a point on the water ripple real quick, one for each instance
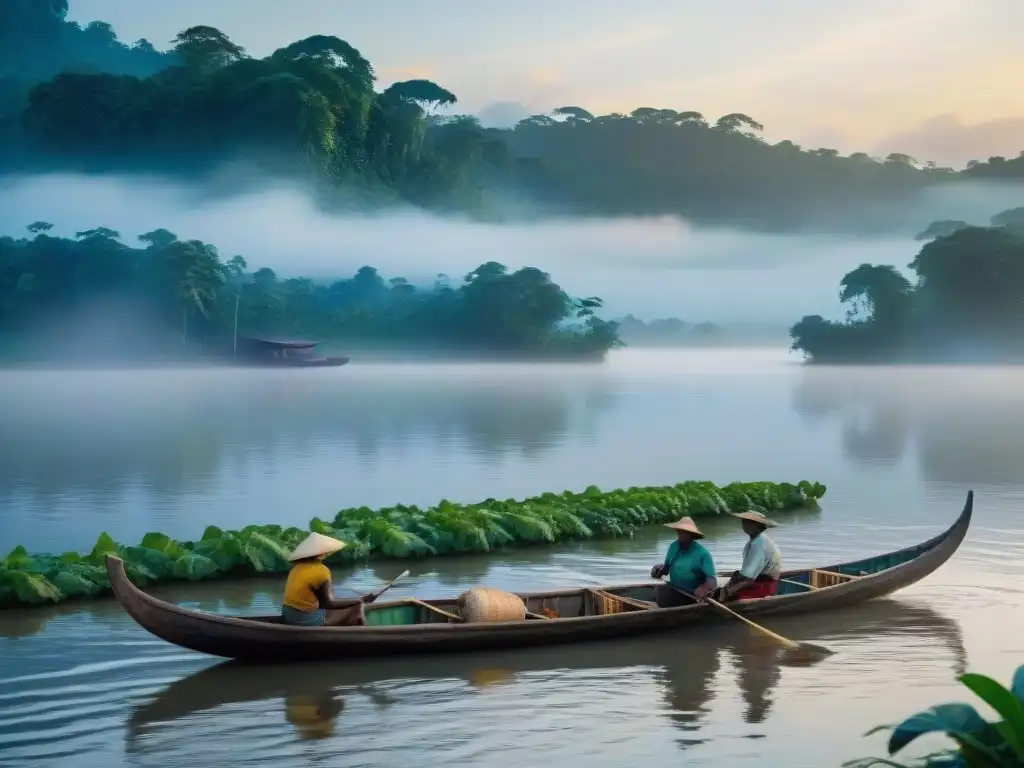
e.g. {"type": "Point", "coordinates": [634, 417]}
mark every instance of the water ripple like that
{"type": "Point", "coordinates": [83, 684]}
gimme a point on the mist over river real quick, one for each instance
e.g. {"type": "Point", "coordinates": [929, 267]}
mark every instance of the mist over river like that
{"type": "Point", "coordinates": [176, 450]}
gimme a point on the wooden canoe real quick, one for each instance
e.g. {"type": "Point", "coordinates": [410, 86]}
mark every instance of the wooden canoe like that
{"type": "Point", "coordinates": [403, 626]}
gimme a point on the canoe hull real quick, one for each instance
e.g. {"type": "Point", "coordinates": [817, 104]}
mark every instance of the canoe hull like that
{"type": "Point", "coordinates": [261, 639]}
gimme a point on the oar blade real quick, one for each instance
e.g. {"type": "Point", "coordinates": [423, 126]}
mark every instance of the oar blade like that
{"type": "Point", "coordinates": [818, 650]}
{"type": "Point", "coordinates": [805, 655]}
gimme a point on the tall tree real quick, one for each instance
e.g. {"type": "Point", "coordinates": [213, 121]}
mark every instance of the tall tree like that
{"type": "Point", "coordinates": [203, 48]}
{"type": "Point", "coordinates": [735, 121]}
{"type": "Point", "coordinates": [183, 288]}
{"type": "Point", "coordinates": [879, 294]}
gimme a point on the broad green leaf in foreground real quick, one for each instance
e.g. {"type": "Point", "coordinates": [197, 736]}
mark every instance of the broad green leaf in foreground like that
{"type": "Point", "coordinates": [225, 551]}
{"type": "Point", "coordinates": [263, 553]}
{"type": "Point", "coordinates": [1005, 703]}
{"type": "Point", "coordinates": [193, 566]}
{"type": "Point", "coordinates": [957, 720]}
{"type": "Point", "coordinates": [980, 744]}
{"type": "Point", "coordinates": [156, 565]}
{"type": "Point", "coordinates": [162, 543]}
{"type": "Point", "coordinates": [105, 545]}
{"type": "Point", "coordinates": [72, 584]}
{"type": "Point", "coordinates": [31, 587]}
{"type": "Point", "coordinates": [16, 558]}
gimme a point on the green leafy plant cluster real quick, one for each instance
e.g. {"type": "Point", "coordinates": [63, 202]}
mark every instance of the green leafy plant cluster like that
{"type": "Point", "coordinates": [193, 300]}
{"type": "Point", "coordinates": [969, 286]}
{"type": "Point", "coordinates": [76, 97]}
{"type": "Point", "coordinates": [398, 532]}
{"type": "Point", "coordinates": [980, 743]}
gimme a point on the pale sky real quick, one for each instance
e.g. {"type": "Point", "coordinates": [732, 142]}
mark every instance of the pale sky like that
{"type": "Point", "coordinates": [938, 79]}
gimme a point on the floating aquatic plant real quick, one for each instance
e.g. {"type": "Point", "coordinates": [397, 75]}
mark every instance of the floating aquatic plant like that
{"type": "Point", "coordinates": [399, 532]}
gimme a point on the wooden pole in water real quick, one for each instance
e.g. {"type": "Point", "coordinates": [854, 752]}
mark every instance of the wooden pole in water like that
{"type": "Point", "coordinates": [790, 644]}
{"type": "Point", "coordinates": [238, 300]}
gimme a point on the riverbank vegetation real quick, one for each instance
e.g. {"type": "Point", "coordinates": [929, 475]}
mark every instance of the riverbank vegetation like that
{"type": "Point", "coordinates": [980, 743]}
{"type": "Point", "coordinates": [394, 532]}
{"type": "Point", "coordinates": [966, 305]}
{"type": "Point", "coordinates": [94, 296]}
{"type": "Point", "coordinates": [668, 332]}
{"type": "Point", "coordinates": [77, 98]}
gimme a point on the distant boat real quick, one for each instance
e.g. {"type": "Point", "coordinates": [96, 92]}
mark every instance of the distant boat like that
{"type": "Point", "coordinates": [273, 353]}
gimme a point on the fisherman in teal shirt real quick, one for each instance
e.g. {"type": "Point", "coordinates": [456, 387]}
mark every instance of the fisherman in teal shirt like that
{"type": "Point", "coordinates": [688, 566]}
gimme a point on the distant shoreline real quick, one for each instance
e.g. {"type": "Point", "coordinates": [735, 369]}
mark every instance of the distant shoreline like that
{"type": "Point", "coordinates": [919, 362]}
{"type": "Point", "coordinates": [366, 355]}
{"type": "Point", "coordinates": [731, 343]}
{"type": "Point", "coordinates": [201, 363]}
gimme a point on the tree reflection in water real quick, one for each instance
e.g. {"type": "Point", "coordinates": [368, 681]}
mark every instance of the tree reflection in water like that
{"type": "Point", "coordinates": [163, 428]}
{"type": "Point", "coordinates": [965, 422]}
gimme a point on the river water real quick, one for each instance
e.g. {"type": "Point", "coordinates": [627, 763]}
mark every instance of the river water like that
{"type": "Point", "coordinates": [174, 451]}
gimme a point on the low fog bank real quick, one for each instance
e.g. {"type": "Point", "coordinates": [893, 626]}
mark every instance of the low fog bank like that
{"type": "Point", "coordinates": [648, 267]}
{"type": "Point", "coordinates": [101, 331]}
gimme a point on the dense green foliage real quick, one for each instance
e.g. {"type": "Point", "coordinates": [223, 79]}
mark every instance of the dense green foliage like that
{"type": "Point", "coordinates": [310, 109]}
{"type": "Point", "coordinates": [980, 744]}
{"type": "Point", "coordinates": [967, 303]}
{"type": "Point", "coordinates": [37, 44]}
{"type": "Point", "coordinates": [79, 98]}
{"type": "Point", "coordinates": [717, 171]}
{"type": "Point", "coordinates": [396, 532]}
{"type": "Point", "coordinates": [95, 296]}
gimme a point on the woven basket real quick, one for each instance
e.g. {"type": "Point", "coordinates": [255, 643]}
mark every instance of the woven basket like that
{"type": "Point", "coordinates": [487, 604]}
{"type": "Point", "coordinates": [822, 579]}
{"type": "Point", "coordinates": [606, 603]}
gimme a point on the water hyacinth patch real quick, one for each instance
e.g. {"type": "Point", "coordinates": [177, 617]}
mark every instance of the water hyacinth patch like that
{"type": "Point", "coordinates": [392, 532]}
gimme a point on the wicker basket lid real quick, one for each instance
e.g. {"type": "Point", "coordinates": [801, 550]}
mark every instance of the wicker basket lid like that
{"type": "Point", "coordinates": [489, 604]}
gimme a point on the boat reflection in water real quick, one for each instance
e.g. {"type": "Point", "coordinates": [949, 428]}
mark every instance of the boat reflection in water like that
{"type": "Point", "coordinates": [313, 714]}
{"type": "Point", "coordinates": [685, 668]}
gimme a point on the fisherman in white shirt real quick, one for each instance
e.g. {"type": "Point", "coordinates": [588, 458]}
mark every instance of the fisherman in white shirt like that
{"type": "Point", "coordinates": [762, 562]}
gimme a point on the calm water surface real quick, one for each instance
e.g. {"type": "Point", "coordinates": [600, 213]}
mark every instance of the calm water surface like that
{"type": "Point", "coordinates": [175, 451]}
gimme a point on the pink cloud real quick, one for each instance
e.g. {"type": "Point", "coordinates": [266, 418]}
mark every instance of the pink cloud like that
{"type": "Point", "coordinates": [947, 140]}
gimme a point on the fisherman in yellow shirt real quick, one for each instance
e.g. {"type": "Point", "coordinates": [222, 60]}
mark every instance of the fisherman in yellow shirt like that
{"type": "Point", "coordinates": [308, 599]}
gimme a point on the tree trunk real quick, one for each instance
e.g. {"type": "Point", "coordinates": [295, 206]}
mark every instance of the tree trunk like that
{"type": "Point", "coordinates": [234, 345]}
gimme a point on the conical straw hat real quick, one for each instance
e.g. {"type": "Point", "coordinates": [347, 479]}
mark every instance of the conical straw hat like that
{"type": "Point", "coordinates": [314, 545]}
{"type": "Point", "coordinates": [755, 517]}
{"type": "Point", "coordinates": [686, 524]}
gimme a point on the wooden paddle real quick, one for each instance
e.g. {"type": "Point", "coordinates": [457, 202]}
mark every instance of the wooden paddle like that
{"type": "Point", "coordinates": [389, 585]}
{"type": "Point", "coordinates": [784, 641]}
